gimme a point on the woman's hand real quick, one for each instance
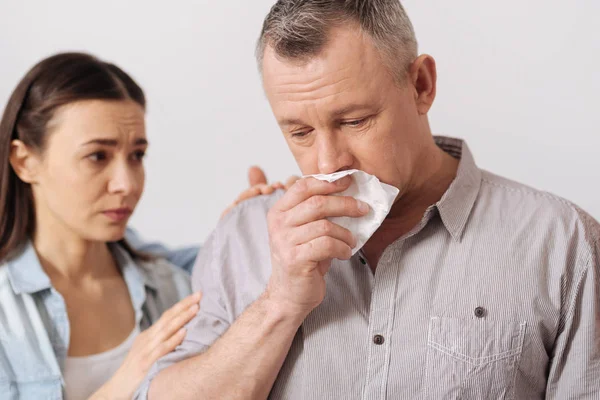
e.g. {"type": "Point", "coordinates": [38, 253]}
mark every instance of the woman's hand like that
{"type": "Point", "coordinates": [259, 186]}
{"type": "Point", "coordinates": [158, 340]}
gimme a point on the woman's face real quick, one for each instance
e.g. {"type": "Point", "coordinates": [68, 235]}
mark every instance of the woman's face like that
{"type": "Point", "coordinates": [90, 176]}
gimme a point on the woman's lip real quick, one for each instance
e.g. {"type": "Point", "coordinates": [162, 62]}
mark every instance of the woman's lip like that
{"type": "Point", "coordinates": [118, 214]}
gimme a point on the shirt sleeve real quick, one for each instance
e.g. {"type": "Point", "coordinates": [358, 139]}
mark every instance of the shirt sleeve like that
{"type": "Point", "coordinates": [575, 366]}
{"type": "Point", "coordinates": [208, 324]}
{"type": "Point", "coordinates": [231, 271]}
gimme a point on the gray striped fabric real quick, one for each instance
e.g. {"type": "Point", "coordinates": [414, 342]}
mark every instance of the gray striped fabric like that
{"type": "Point", "coordinates": [494, 295]}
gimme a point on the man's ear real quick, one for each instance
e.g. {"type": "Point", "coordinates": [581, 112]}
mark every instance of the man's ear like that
{"type": "Point", "coordinates": [423, 77]}
{"type": "Point", "coordinates": [24, 161]}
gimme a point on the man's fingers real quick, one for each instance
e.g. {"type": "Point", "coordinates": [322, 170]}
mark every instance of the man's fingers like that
{"type": "Point", "coordinates": [306, 188]}
{"type": "Point", "coordinates": [321, 207]}
{"type": "Point", "coordinates": [290, 181]}
{"type": "Point", "coordinates": [323, 248]}
{"type": "Point", "coordinates": [256, 176]}
{"type": "Point", "coordinates": [313, 230]}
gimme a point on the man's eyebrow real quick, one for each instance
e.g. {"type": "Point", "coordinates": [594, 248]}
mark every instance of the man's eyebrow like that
{"type": "Point", "coordinates": [347, 109]}
{"type": "Point", "coordinates": [290, 122]}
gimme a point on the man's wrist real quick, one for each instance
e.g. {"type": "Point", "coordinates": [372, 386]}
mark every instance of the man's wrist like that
{"type": "Point", "coordinates": [280, 311]}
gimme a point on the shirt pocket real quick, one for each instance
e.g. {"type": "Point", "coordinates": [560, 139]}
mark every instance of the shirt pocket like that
{"type": "Point", "coordinates": [24, 374]}
{"type": "Point", "coordinates": [472, 359]}
{"type": "Point", "coordinates": [47, 390]}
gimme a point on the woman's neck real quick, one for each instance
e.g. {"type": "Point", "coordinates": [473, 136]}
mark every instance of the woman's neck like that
{"type": "Point", "coordinates": [65, 255]}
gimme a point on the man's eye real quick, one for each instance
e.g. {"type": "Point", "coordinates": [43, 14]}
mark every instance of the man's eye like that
{"type": "Point", "coordinates": [300, 134]}
{"type": "Point", "coordinates": [355, 123]}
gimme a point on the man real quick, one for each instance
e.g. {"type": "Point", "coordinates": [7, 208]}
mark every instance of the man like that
{"type": "Point", "coordinates": [474, 287]}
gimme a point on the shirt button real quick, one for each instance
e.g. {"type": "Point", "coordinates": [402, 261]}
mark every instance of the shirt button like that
{"type": "Point", "coordinates": [378, 340]}
{"type": "Point", "coordinates": [362, 261]}
{"type": "Point", "coordinates": [480, 312]}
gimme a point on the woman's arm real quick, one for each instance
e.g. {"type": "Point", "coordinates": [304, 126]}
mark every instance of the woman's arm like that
{"type": "Point", "coordinates": [161, 338]}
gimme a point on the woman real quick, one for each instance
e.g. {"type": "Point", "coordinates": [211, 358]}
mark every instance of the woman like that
{"type": "Point", "coordinates": [80, 309]}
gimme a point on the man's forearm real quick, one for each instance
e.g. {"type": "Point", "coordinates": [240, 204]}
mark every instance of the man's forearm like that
{"type": "Point", "coordinates": [242, 364]}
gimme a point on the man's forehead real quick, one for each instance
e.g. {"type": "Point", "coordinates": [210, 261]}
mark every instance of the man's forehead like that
{"type": "Point", "coordinates": [348, 54]}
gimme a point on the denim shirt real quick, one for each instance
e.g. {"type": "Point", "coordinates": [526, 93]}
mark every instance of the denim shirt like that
{"type": "Point", "coordinates": [34, 325]}
{"type": "Point", "coordinates": [182, 257]}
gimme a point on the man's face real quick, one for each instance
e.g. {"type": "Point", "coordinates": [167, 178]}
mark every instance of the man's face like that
{"type": "Point", "coordinates": [344, 110]}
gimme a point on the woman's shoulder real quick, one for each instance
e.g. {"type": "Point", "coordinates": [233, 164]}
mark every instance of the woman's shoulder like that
{"type": "Point", "coordinates": [152, 280]}
{"type": "Point", "coordinates": [24, 341]}
{"type": "Point", "coordinates": [168, 283]}
{"type": "Point", "coordinates": [159, 270]}
{"type": "Point", "coordinates": [6, 289]}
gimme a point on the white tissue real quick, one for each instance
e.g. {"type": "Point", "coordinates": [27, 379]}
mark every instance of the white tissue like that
{"type": "Point", "coordinates": [367, 188]}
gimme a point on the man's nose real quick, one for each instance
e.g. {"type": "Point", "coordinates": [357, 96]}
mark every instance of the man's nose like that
{"type": "Point", "coordinates": [333, 154]}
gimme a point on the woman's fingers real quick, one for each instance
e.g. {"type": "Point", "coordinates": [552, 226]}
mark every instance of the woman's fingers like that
{"type": "Point", "coordinates": [174, 325]}
{"type": "Point", "coordinates": [182, 311]}
{"type": "Point", "coordinates": [168, 345]}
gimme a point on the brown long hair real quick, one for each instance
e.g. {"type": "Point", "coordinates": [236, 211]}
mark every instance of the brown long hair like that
{"type": "Point", "coordinates": [54, 82]}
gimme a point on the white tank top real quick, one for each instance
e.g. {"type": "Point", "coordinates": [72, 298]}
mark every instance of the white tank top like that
{"type": "Point", "coordinates": [84, 375]}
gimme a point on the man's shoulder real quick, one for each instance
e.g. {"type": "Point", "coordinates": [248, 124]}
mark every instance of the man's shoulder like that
{"type": "Point", "coordinates": [516, 192]}
{"type": "Point", "coordinates": [248, 219]}
{"type": "Point", "coordinates": [236, 256]}
{"type": "Point", "coordinates": [540, 209]}
{"type": "Point", "coordinates": [254, 208]}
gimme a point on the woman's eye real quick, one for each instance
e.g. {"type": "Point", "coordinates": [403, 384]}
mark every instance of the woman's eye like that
{"type": "Point", "coordinates": [98, 156]}
{"type": "Point", "coordinates": [139, 155]}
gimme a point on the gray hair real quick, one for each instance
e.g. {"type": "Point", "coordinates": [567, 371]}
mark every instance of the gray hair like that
{"type": "Point", "coordinates": [298, 29]}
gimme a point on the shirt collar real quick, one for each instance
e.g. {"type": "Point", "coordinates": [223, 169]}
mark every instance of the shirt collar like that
{"type": "Point", "coordinates": [26, 275]}
{"type": "Point", "coordinates": [456, 204]}
{"type": "Point", "coordinates": [137, 276]}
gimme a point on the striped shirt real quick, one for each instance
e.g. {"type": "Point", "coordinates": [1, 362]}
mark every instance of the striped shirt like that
{"type": "Point", "coordinates": [494, 295]}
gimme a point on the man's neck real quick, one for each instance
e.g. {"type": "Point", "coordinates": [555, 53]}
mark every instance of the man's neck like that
{"type": "Point", "coordinates": [407, 212]}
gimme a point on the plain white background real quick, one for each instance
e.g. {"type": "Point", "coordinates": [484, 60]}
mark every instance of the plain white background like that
{"type": "Point", "coordinates": [518, 79]}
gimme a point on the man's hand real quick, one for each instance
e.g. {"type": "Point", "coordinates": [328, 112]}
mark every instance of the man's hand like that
{"type": "Point", "coordinates": [303, 242]}
{"type": "Point", "coordinates": [259, 186]}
